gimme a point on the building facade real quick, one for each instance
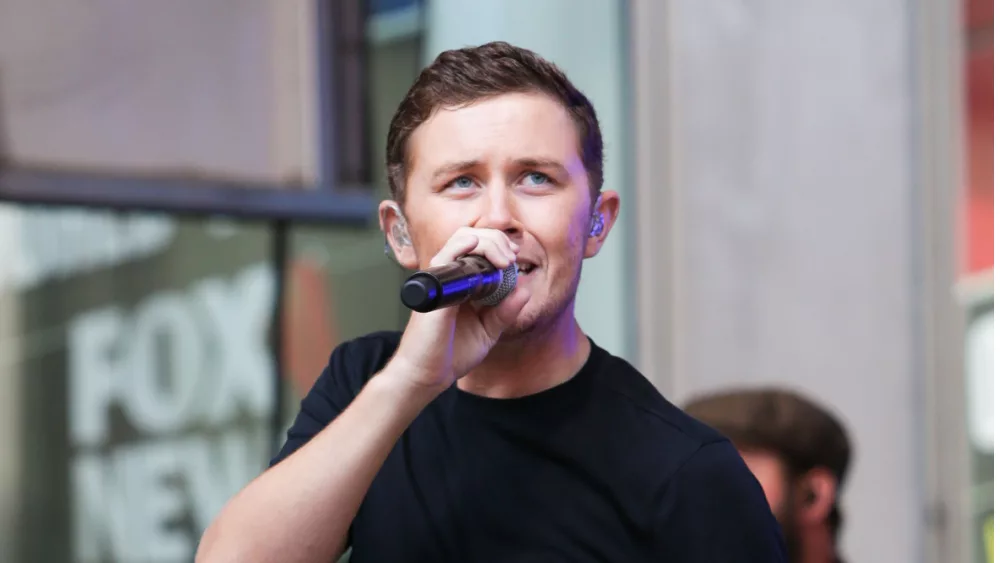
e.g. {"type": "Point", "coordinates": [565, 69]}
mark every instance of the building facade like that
{"type": "Point", "coordinates": [188, 224]}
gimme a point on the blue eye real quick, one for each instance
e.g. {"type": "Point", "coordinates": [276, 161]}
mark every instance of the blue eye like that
{"type": "Point", "coordinates": [537, 179]}
{"type": "Point", "coordinates": [462, 183]}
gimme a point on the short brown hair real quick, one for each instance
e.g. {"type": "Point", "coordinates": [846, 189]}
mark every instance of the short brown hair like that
{"type": "Point", "coordinates": [800, 432]}
{"type": "Point", "coordinates": [464, 76]}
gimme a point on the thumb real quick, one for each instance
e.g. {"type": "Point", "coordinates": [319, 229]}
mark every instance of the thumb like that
{"type": "Point", "coordinates": [497, 319]}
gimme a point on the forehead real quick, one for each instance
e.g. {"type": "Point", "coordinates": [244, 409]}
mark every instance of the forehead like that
{"type": "Point", "coordinates": [509, 126]}
{"type": "Point", "coordinates": [764, 461]}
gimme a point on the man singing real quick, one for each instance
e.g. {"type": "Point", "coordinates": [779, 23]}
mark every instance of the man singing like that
{"type": "Point", "coordinates": [496, 433]}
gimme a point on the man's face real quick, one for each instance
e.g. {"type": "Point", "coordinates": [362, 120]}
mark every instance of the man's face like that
{"type": "Point", "coordinates": [510, 163]}
{"type": "Point", "coordinates": [770, 472]}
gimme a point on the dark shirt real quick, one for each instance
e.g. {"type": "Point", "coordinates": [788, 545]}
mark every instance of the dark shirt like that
{"type": "Point", "coordinates": [599, 468]}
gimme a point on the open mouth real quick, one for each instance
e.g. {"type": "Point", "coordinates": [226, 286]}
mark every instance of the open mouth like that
{"type": "Point", "coordinates": [525, 268]}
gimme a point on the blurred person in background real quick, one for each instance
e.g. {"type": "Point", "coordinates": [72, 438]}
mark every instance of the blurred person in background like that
{"type": "Point", "coordinates": [798, 451]}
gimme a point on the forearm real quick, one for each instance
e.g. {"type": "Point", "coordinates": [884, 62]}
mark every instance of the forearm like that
{"type": "Point", "coordinates": [301, 509]}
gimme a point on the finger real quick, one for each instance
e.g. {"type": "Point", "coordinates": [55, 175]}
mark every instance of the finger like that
{"type": "Point", "coordinates": [498, 319]}
{"type": "Point", "coordinates": [501, 238]}
{"type": "Point", "coordinates": [460, 244]}
{"type": "Point", "coordinates": [504, 245]}
{"type": "Point", "coordinates": [498, 238]}
{"type": "Point", "coordinates": [489, 243]}
{"type": "Point", "coordinates": [497, 252]}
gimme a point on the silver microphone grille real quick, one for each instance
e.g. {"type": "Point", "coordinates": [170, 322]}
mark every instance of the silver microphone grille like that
{"type": "Point", "coordinates": [506, 287]}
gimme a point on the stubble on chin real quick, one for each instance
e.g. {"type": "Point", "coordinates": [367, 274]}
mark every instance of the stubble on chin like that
{"type": "Point", "coordinates": [534, 324]}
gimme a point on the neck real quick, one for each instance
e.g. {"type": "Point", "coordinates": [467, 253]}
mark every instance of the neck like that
{"type": "Point", "coordinates": [532, 362]}
{"type": "Point", "coordinates": [818, 547]}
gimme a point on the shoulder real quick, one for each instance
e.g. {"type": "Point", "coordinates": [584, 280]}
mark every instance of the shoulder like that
{"type": "Point", "coordinates": [706, 504]}
{"type": "Point", "coordinates": [358, 359]}
{"type": "Point", "coordinates": [375, 346]}
{"type": "Point", "coordinates": [654, 417]}
{"type": "Point", "coordinates": [691, 450]}
{"type": "Point", "coordinates": [716, 470]}
{"type": "Point", "coordinates": [713, 509]}
{"type": "Point", "coordinates": [351, 365]}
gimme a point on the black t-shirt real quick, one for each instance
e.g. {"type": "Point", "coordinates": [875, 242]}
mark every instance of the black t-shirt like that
{"type": "Point", "coordinates": [599, 468]}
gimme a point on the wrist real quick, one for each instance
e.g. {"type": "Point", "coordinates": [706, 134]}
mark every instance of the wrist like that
{"type": "Point", "coordinates": [406, 383]}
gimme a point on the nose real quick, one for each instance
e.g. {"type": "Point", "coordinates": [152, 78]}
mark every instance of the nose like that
{"type": "Point", "coordinates": [499, 212]}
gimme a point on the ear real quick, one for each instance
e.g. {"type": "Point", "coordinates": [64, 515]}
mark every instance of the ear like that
{"type": "Point", "coordinates": [607, 206]}
{"type": "Point", "coordinates": [396, 231]}
{"type": "Point", "coordinates": [817, 495]}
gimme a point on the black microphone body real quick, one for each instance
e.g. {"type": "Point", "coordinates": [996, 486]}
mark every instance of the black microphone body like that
{"type": "Point", "coordinates": [470, 278]}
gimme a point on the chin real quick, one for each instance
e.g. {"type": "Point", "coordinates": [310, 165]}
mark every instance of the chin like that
{"type": "Point", "coordinates": [534, 319]}
{"type": "Point", "coordinates": [524, 326]}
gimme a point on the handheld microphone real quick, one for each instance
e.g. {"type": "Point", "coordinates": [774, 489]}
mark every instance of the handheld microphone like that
{"type": "Point", "coordinates": [470, 278]}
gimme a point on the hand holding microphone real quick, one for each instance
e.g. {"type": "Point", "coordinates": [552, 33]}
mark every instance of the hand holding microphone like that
{"type": "Point", "coordinates": [470, 278]}
{"type": "Point", "coordinates": [475, 266]}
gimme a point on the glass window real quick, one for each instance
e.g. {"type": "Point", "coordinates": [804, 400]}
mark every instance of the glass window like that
{"type": "Point", "coordinates": [138, 379]}
{"type": "Point", "coordinates": [340, 283]}
{"type": "Point", "coordinates": [140, 386]}
{"type": "Point", "coordinates": [137, 368]}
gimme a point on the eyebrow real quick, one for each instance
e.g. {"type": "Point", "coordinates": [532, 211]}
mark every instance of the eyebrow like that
{"type": "Point", "coordinates": [455, 167]}
{"type": "Point", "coordinates": [543, 163]}
{"type": "Point", "coordinates": [449, 169]}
